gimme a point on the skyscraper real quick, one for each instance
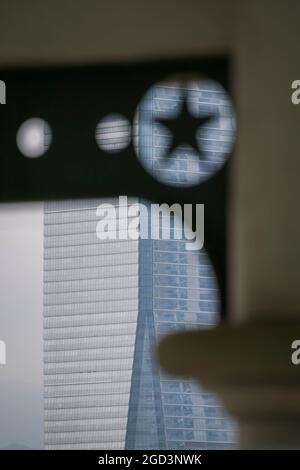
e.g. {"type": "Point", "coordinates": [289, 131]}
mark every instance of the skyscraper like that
{"type": "Point", "coordinates": [106, 303]}
{"type": "Point", "coordinates": [90, 315]}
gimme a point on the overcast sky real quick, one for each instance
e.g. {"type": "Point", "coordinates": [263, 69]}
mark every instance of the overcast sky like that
{"type": "Point", "coordinates": [21, 313]}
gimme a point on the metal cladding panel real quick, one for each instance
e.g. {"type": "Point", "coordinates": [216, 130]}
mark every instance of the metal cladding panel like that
{"type": "Point", "coordinates": [90, 317]}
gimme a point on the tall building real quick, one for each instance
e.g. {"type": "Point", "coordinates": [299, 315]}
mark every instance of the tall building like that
{"type": "Point", "coordinates": [90, 318]}
{"type": "Point", "coordinates": [107, 302]}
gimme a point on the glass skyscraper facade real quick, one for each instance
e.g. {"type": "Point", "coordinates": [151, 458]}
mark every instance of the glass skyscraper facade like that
{"type": "Point", "coordinates": [107, 302]}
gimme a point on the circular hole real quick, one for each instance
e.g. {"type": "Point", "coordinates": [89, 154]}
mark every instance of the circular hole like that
{"type": "Point", "coordinates": [34, 137]}
{"type": "Point", "coordinates": [113, 133]}
{"type": "Point", "coordinates": [184, 130]}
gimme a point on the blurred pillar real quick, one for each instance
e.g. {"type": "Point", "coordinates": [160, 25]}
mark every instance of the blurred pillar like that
{"type": "Point", "coordinates": [248, 361]}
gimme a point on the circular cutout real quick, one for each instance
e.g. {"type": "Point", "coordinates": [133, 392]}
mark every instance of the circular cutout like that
{"type": "Point", "coordinates": [184, 130]}
{"type": "Point", "coordinates": [113, 133]}
{"type": "Point", "coordinates": [34, 137]}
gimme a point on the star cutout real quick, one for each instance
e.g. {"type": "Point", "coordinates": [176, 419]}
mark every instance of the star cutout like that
{"type": "Point", "coordinates": [184, 128]}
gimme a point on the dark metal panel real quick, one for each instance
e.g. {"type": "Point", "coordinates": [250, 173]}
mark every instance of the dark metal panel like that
{"type": "Point", "coordinates": [73, 100]}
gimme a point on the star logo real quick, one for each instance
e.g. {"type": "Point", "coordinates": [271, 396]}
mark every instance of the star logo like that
{"type": "Point", "coordinates": [183, 129]}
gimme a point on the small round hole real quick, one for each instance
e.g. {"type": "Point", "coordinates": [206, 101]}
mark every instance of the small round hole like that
{"type": "Point", "coordinates": [113, 133]}
{"type": "Point", "coordinates": [34, 137]}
